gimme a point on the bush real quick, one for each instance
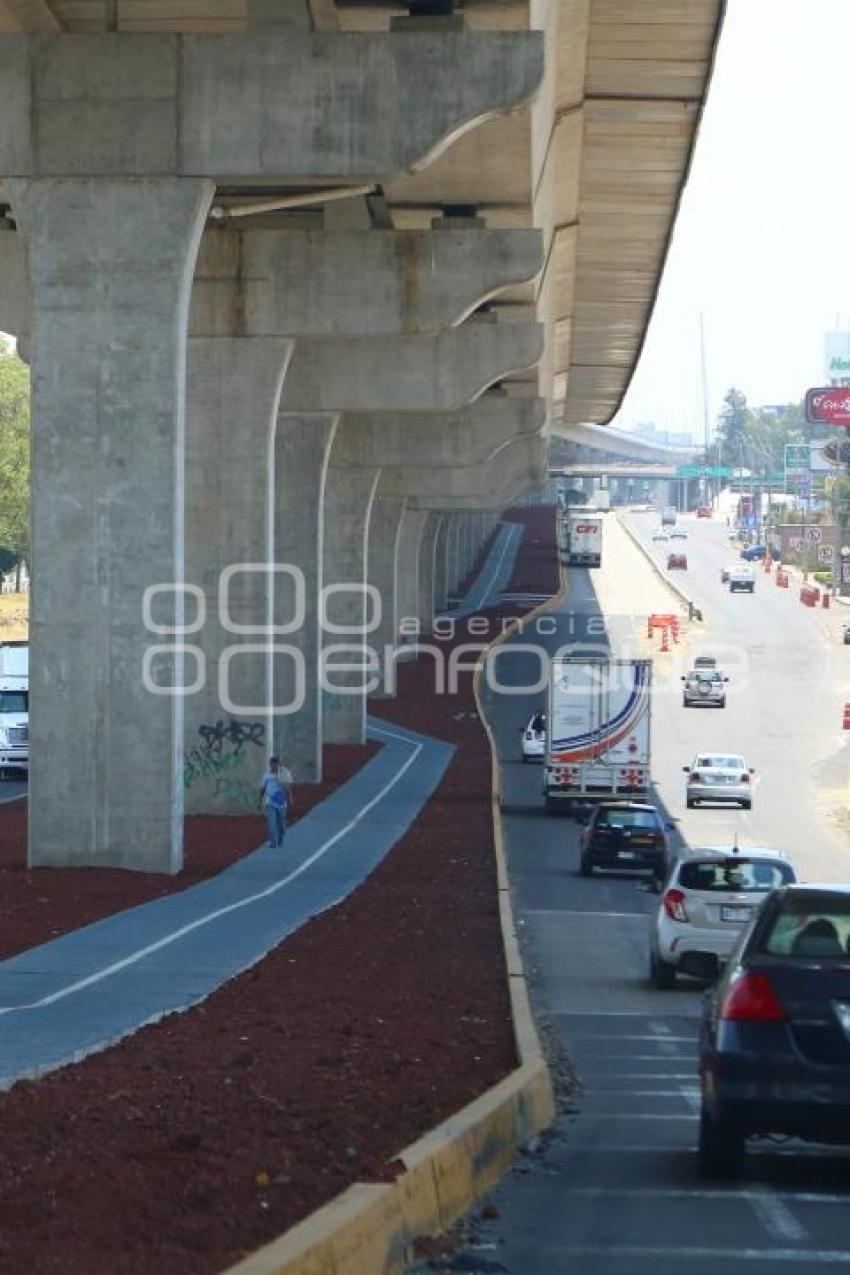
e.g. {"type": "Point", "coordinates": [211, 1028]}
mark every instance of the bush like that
{"type": "Point", "coordinates": [822, 577]}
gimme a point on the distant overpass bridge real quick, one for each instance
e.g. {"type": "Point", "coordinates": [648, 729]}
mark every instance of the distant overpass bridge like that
{"type": "Point", "coordinates": [623, 446]}
{"type": "Point", "coordinates": [614, 469]}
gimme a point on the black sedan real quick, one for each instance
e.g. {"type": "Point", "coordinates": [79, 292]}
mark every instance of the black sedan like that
{"type": "Point", "coordinates": [624, 834]}
{"type": "Point", "coordinates": [775, 1040]}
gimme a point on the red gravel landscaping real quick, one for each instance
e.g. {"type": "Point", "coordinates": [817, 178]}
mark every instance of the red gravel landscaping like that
{"type": "Point", "coordinates": [203, 1137]}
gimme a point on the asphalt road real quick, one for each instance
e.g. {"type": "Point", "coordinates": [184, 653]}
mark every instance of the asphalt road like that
{"type": "Point", "coordinates": [614, 1188]}
{"type": "Point", "coordinates": [13, 784]}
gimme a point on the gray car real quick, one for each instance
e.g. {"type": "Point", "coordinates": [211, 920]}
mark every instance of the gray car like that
{"type": "Point", "coordinates": [722, 778]}
{"type": "Point", "coordinates": [704, 687]}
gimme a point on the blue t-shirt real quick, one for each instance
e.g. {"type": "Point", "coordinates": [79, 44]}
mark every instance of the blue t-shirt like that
{"type": "Point", "coordinates": [275, 793]}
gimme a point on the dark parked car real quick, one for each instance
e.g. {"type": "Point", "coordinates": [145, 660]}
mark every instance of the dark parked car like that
{"type": "Point", "coordinates": [677, 562]}
{"type": "Point", "coordinates": [625, 834]}
{"type": "Point", "coordinates": [753, 553]}
{"type": "Point", "coordinates": [775, 1040]}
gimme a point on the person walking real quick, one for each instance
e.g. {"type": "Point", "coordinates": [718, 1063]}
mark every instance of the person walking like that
{"type": "Point", "coordinates": [276, 799]}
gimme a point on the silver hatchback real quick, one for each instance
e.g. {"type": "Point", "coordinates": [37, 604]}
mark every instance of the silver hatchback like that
{"type": "Point", "coordinates": [723, 778]}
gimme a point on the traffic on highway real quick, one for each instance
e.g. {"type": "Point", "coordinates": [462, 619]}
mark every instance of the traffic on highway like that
{"type": "Point", "coordinates": [689, 943]}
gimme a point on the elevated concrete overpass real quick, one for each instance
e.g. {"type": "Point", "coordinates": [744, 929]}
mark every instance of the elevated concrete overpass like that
{"type": "Point", "coordinates": [309, 284]}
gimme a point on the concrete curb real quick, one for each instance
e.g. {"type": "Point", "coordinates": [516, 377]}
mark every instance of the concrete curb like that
{"type": "Point", "coordinates": [371, 1228]}
{"type": "Point", "coordinates": [663, 577]}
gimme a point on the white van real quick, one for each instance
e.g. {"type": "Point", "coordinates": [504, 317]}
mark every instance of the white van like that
{"type": "Point", "coordinates": [14, 706]}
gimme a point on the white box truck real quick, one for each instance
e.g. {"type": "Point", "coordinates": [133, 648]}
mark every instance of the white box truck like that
{"type": "Point", "coordinates": [597, 730]}
{"type": "Point", "coordinates": [585, 539]}
{"type": "Point", "coordinates": [14, 706]}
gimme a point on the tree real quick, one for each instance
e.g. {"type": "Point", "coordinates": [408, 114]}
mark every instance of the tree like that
{"type": "Point", "coordinates": [14, 453]}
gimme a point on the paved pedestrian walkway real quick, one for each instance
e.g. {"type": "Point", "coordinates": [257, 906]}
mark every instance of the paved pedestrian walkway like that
{"type": "Point", "coordinates": [496, 573]}
{"type": "Point", "coordinates": [92, 987]}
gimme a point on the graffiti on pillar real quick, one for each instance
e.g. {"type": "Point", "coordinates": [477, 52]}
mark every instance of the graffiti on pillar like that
{"type": "Point", "coordinates": [234, 735]}
{"type": "Point", "coordinates": [226, 754]}
{"type": "Point", "coordinates": [236, 794]}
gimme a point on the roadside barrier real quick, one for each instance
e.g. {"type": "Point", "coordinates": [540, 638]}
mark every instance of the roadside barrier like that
{"type": "Point", "coordinates": [825, 601]}
{"type": "Point", "coordinates": [781, 578]}
{"type": "Point", "coordinates": [846, 722]}
{"type": "Point", "coordinates": [809, 595]}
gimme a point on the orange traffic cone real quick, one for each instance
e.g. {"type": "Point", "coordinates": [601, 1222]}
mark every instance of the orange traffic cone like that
{"type": "Point", "coordinates": [665, 645]}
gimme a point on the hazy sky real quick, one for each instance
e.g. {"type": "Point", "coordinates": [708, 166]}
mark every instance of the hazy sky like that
{"type": "Point", "coordinates": [762, 245]}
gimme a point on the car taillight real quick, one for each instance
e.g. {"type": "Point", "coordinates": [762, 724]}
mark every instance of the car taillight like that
{"type": "Point", "coordinates": [693, 777]}
{"type": "Point", "coordinates": [751, 999]}
{"type": "Point", "coordinates": [745, 779]}
{"type": "Point", "coordinates": [674, 905]}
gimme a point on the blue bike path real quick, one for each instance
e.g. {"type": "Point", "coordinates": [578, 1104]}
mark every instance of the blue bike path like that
{"type": "Point", "coordinates": [88, 989]}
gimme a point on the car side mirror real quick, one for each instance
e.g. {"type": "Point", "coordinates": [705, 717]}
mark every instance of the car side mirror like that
{"type": "Point", "coordinates": [684, 679]}
{"type": "Point", "coordinates": [752, 770]}
{"type": "Point", "coordinates": [686, 769]}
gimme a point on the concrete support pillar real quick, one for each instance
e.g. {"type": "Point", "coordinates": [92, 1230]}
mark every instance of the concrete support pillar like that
{"type": "Point", "coordinates": [441, 586]}
{"type": "Point", "coordinates": [302, 448]}
{"type": "Point", "coordinates": [349, 495]}
{"type": "Point", "coordinates": [233, 393]}
{"type": "Point", "coordinates": [453, 566]}
{"type": "Point", "coordinates": [410, 539]}
{"type": "Point", "coordinates": [427, 572]}
{"type": "Point", "coordinates": [110, 263]}
{"type": "Point", "coordinates": [385, 528]}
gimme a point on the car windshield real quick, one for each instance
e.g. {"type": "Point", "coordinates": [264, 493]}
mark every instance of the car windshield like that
{"type": "Point", "coordinates": [810, 925]}
{"type": "Point", "coordinates": [754, 875]}
{"type": "Point", "coordinates": [627, 818]}
{"type": "Point", "coordinates": [702, 675]}
{"type": "Point", "coordinates": [717, 761]}
{"type": "Point", "coordinates": [14, 701]}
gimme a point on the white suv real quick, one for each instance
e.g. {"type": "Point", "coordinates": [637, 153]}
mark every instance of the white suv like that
{"type": "Point", "coordinates": [709, 897]}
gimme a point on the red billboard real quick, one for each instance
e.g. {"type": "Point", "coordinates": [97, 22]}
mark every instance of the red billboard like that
{"type": "Point", "coordinates": [828, 406]}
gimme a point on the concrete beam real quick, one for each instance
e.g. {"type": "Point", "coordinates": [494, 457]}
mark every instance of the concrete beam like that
{"type": "Point", "coordinates": [274, 103]}
{"type": "Point", "coordinates": [321, 283]}
{"type": "Point", "coordinates": [408, 374]}
{"type": "Point", "coordinates": [435, 440]}
{"type": "Point", "coordinates": [475, 487]}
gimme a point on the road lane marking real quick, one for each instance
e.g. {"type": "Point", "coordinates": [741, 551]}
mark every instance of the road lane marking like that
{"type": "Point", "coordinates": [578, 912]}
{"type": "Point", "coordinates": [778, 1220]}
{"type": "Point", "coordinates": [703, 1193]}
{"type": "Point", "coordinates": [215, 915]}
{"type": "Point", "coordinates": [608, 1251]}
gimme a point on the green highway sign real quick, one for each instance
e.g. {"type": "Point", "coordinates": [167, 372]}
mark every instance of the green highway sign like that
{"type": "Point", "coordinates": [701, 471]}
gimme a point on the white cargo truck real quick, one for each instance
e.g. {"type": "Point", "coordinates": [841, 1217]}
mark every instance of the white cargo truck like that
{"type": "Point", "coordinates": [601, 500]}
{"type": "Point", "coordinates": [14, 706]}
{"type": "Point", "coordinates": [585, 539]}
{"type": "Point", "coordinates": [597, 730]}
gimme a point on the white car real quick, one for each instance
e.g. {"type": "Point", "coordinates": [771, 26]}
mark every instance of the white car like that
{"type": "Point", "coordinates": [660, 535]}
{"type": "Point", "coordinates": [743, 579]}
{"type": "Point", "coordinates": [534, 738]}
{"type": "Point", "coordinates": [709, 897]}
{"type": "Point", "coordinates": [679, 534]}
{"type": "Point", "coordinates": [719, 777]}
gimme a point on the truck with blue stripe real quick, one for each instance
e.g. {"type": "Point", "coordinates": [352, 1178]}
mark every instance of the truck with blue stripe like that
{"type": "Point", "coordinates": [597, 730]}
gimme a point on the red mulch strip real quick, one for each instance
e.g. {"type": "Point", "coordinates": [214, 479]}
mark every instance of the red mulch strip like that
{"type": "Point", "coordinates": [203, 1137]}
{"type": "Point", "coordinates": [39, 904]}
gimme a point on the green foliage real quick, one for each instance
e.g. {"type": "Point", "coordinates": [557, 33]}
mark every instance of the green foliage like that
{"type": "Point", "coordinates": [14, 455]}
{"type": "Point", "coordinates": [756, 440]}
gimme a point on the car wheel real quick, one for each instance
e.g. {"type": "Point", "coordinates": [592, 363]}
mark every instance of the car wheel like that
{"type": "Point", "coordinates": [524, 759]}
{"type": "Point", "coordinates": [662, 973]}
{"type": "Point", "coordinates": [746, 805]}
{"type": "Point", "coordinates": [721, 703]}
{"type": "Point", "coordinates": [721, 1148]}
{"type": "Point", "coordinates": [691, 802]}
{"type": "Point", "coordinates": [585, 866]}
